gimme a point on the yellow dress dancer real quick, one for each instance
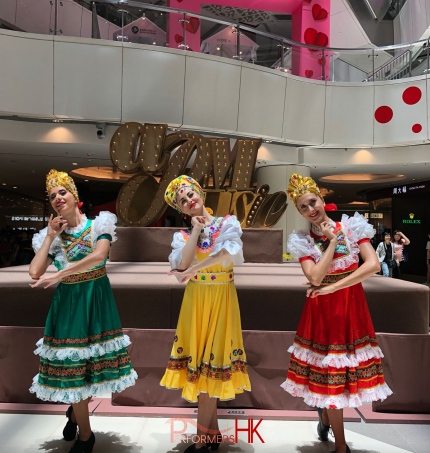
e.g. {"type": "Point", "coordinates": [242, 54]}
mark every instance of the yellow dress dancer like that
{"type": "Point", "coordinates": [208, 360]}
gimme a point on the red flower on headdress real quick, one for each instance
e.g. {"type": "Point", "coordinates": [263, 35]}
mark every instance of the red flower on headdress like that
{"type": "Point", "coordinates": [330, 207]}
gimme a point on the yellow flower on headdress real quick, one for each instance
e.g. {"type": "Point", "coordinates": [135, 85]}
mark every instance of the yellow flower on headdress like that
{"type": "Point", "coordinates": [300, 185]}
{"type": "Point", "coordinates": [60, 178]}
{"type": "Point", "coordinates": [178, 185]}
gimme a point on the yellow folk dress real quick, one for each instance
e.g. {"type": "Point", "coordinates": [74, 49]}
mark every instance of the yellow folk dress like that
{"type": "Point", "coordinates": [207, 353]}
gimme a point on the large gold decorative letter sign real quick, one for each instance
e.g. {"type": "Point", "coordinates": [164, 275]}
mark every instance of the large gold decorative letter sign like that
{"type": "Point", "coordinates": [157, 158]}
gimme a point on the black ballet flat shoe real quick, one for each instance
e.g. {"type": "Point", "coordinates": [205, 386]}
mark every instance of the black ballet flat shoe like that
{"type": "Point", "coordinates": [86, 446]}
{"type": "Point", "coordinates": [347, 450]}
{"type": "Point", "coordinates": [216, 443]}
{"type": "Point", "coordinates": [193, 449]}
{"type": "Point", "coordinates": [213, 445]}
{"type": "Point", "coordinates": [322, 429]}
{"type": "Point", "coordinates": [70, 430]}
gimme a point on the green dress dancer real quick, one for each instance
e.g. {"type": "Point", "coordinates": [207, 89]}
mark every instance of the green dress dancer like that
{"type": "Point", "coordinates": [83, 351]}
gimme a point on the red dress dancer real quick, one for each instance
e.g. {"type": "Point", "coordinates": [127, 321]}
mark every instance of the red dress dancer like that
{"type": "Point", "coordinates": [335, 359]}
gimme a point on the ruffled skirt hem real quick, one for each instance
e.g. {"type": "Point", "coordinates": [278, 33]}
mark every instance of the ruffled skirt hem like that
{"type": "Point", "coordinates": [361, 355]}
{"type": "Point", "coordinates": [74, 395]}
{"type": "Point", "coordinates": [223, 390]}
{"type": "Point", "coordinates": [379, 392]}
{"type": "Point", "coordinates": [77, 354]}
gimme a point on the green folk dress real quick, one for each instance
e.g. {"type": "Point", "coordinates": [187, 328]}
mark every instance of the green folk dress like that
{"type": "Point", "coordinates": [83, 350]}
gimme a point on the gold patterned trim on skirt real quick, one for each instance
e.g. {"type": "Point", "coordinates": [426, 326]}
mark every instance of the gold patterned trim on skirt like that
{"type": "Point", "coordinates": [333, 278]}
{"type": "Point", "coordinates": [85, 276]}
{"type": "Point", "coordinates": [213, 278]}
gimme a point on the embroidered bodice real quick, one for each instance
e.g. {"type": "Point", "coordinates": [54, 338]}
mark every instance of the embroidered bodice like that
{"type": "Point", "coordinates": [79, 245]}
{"type": "Point", "coordinates": [207, 237]}
{"type": "Point", "coordinates": [76, 243]}
{"type": "Point", "coordinates": [351, 232]}
{"type": "Point", "coordinates": [222, 233]}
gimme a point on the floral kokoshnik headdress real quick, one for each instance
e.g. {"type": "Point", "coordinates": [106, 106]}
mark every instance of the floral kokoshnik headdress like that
{"type": "Point", "coordinates": [301, 185]}
{"type": "Point", "coordinates": [179, 185]}
{"type": "Point", "coordinates": [60, 178]}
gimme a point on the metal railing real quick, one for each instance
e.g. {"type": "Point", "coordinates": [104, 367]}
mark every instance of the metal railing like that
{"type": "Point", "coordinates": [397, 68]}
{"type": "Point", "coordinates": [114, 19]}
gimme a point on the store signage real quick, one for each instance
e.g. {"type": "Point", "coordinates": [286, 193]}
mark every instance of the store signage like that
{"type": "Point", "coordinates": [411, 219]}
{"type": "Point", "coordinates": [376, 215]}
{"type": "Point", "coordinates": [410, 188]}
{"type": "Point", "coordinates": [27, 218]}
{"type": "Point", "coordinates": [226, 174]}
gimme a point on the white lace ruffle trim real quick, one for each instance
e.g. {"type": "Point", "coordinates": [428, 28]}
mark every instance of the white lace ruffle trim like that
{"type": "Point", "coordinates": [78, 228]}
{"type": "Point", "coordinates": [76, 354]}
{"type": "Point", "coordinates": [355, 228]}
{"type": "Point", "coordinates": [78, 394]}
{"type": "Point", "coordinates": [358, 227]}
{"type": "Point", "coordinates": [104, 223]}
{"type": "Point", "coordinates": [381, 392]}
{"type": "Point", "coordinates": [336, 360]}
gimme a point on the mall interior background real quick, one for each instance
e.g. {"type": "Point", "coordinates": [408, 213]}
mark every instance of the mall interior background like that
{"type": "Point", "coordinates": [61, 101]}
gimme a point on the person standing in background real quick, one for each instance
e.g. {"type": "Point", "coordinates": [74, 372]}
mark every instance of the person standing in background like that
{"type": "Point", "coordinates": [386, 255]}
{"type": "Point", "coordinates": [400, 240]}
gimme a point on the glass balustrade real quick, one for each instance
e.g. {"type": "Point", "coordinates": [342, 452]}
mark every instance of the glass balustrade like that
{"type": "Point", "coordinates": [136, 23]}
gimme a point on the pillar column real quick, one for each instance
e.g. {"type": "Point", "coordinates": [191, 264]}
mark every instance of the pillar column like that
{"type": "Point", "coordinates": [277, 177]}
{"type": "Point", "coordinates": [311, 25]}
{"type": "Point", "coordinates": [176, 30]}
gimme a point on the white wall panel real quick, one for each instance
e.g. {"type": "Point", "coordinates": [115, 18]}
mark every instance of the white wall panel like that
{"type": "Point", "coordinates": [397, 30]}
{"type": "Point", "coordinates": [87, 79]}
{"type": "Point", "coordinates": [427, 12]}
{"type": "Point", "coordinates": [349, 114]}
{"type": "Point", "coordinates": [211, 93]}
{"type": "Point", "coordinates": [304, 111]}
{"type": "Point", "coordinates": [153, 85]}
{"type": "Point", "coordinates": [262, 100]}
{"type": "Point", "coordinates": [8, 10]}
{"type": "Point", "coordinates": [428, 108]}
{"type": "Point", "coordinates": [96, 80]}
{"type": "Point", "coordinates": [35, 17]}
{"type": "Point", "coordinates": [26, 74]}
{"type": "Point", "coordinates": [405, 116]}
{"type": "Point", "coordinates": [346, 31]}
{"type": "Point", "coordinates": [419, 18]}
{"type": "Point", "coordinates": [406, 30]}
{"type": "Point", "coordinates": [336, 7]}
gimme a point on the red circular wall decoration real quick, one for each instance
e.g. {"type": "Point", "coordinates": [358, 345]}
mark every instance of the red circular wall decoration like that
{"type": "Point", "coordinates": [383, 114]}
{"type": "Point", "coordinates": [416, 128]}
{"type": "Point", "coordinates": [411, 95]}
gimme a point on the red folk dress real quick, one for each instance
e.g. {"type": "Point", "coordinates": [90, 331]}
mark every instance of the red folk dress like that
{"type": "Point", "coordinates": [335, 358]}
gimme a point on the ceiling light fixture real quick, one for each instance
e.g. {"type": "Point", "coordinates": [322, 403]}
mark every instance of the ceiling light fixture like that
{"type": "Point", "coordinates": [364, 178]}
